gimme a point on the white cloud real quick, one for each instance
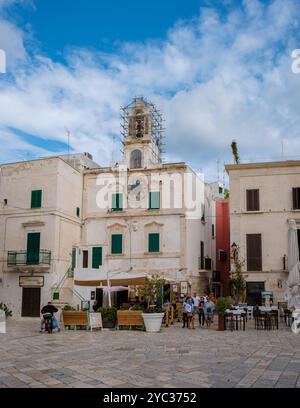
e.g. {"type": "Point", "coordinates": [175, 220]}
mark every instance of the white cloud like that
{"type": "Point", "coordinates": [215, 78]}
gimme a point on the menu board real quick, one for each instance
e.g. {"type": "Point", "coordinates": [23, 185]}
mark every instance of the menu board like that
{"type": "Point", "coordinates": [95, 321]}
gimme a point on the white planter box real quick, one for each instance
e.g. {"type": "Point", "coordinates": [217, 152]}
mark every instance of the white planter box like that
{"type": "Point", "coordinates": [153, 321]}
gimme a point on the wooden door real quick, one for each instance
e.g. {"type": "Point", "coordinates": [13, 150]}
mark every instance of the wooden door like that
{"type": "Point", "coordinates": [31, 302]}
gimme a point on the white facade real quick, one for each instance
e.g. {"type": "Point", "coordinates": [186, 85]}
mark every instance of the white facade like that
{"type": "Point", "coordinates": [177, 220]}
{"type": "Point", "coordinates": [275, 182]}
{"type": "Point", "coordinates": [76, 222]}
{"type": "Point", "coordinates": [56, 222]}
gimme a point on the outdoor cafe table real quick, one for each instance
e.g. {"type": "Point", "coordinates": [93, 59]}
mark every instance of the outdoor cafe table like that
{"type": "Point", "coordinates": [236, 318]}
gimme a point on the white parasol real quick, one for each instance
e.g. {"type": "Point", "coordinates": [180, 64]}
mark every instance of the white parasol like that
{"type": "Point", "coordinates": [293, 282]}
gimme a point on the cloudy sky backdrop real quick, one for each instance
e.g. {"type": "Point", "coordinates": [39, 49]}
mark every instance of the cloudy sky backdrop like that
{"type": "Point", "coordinates": [218, 70]}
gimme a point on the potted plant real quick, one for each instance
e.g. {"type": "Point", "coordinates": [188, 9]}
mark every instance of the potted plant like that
{"type": "Point", "coordinates": [152, 292]}
{"type": "Point", "coordinates": [222, 304]}
{"type": "Point", "coordinates": [109, 316]}
{"type": "Point", "coordinates": [4, 307]}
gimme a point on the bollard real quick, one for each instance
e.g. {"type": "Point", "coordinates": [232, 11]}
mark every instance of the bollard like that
{"type": "Point", "coordinates": [167, 316]}
{"type": "Point", "coordinates": [2, 322]}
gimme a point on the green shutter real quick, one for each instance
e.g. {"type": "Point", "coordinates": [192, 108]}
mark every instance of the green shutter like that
{"type": "Point", "coordinates": [56, 296]}
{"type": "Point", "coordinates": [74, 252]}
{"type": "Point", "coordinates": [153, 242]}
{"type": "Point", "coordinates": [154, 200]}
{"type": "Point", "coordinates": [33, 248]}
{"type": "Point", "coordinates": [117, 202]}
{"type": "Point", "coordinates": [96, 257]}
{"type": "Point", "coordinates": [77, 211]}
{"type": "Point", "coordinates": [36, 199]}
{"type": "Point", "coordinates": [116, 244]}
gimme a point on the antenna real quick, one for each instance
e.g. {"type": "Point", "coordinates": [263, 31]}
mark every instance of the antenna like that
{"type": "Point", "coordinates": [218, 169]}
{"type": "Point", "coordinates": [113, 150]}
{"type": "Point", "coordinates": [282, 149]}
{"type": "Point", "coordinates": [68, 133]}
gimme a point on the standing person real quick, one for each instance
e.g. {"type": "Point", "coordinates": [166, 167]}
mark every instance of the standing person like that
{"type": "Point", "coordinates": [196, 300]}
{"type": "Point", "coordinates": [209, 312]}
{"type": "Point", "coordinates": [201, 313]}
{"type": "Point", "coordinates": [186, 308]}
{"type": "Point", "coordinates": [191, 314]}
{"type": "Point", "coordinates": [96, 306]}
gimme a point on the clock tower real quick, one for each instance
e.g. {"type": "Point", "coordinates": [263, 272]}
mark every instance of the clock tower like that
{"type": "Point", "coordinates": [142, 131]}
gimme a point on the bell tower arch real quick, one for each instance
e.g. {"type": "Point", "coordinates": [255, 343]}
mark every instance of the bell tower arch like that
{"type": "Point", "coordinates": [142, 134]}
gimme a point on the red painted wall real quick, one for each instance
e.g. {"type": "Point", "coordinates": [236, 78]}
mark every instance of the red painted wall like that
{"type": "Point", "coordinates": [223, 241]}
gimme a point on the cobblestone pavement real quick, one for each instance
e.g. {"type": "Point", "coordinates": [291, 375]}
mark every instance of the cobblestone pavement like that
{"type": "Point", "coordinates": [175, 357]}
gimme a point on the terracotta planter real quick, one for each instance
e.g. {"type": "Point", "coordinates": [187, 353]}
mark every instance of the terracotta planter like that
{"type": "Point", "coordinates": [221, 322]}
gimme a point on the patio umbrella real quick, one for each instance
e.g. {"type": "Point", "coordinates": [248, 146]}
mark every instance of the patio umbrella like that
{"type": "Point", "coordinates": [293, 282]}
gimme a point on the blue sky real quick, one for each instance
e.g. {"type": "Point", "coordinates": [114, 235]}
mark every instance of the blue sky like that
{"type": "Point", "coordinates": [218, 70]}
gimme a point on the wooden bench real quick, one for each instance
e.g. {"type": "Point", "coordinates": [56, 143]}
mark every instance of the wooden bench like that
{"type": "Point", "coordinates": [130, 318]}
{"type": "Point", "coordinates": [75, 318]}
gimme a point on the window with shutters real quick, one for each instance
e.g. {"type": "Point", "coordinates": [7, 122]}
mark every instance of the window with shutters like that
{"type": "Point", "coordinates": [96, 257]}
{"type": "Point", "coordinates": [116, 243]}
{"type": "Point", "coordinates": [36, 199]}
{"type": "Point", "coordinates": [33, 248]}
{"type": "Point", "coordinates": [254, 252]}
{"type": "Point", "coordinates": [117, 202]}
{"type": "Point", "coordinates": [85, 259]}
{"type": "Point", "coordinates": [252, 200]}
{"type": "Point", "coordinates": [154, 200]}
{"type": "Point", "coordinates": [153, 242]}
{"type": "Point", "coordinates": [296, 198]}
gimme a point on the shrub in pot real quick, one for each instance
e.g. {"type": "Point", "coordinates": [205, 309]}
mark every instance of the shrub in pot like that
{"type": "Point", "coordinates": [69, 308]}
{"type": "Point", "coordinates": [153, 314]}
{"type": "Point", "coordinates": [5, 308]}
{"type": "Point", "coordinates": [222, 304]}
{"type": "Point", "coordinates": [109, 316]}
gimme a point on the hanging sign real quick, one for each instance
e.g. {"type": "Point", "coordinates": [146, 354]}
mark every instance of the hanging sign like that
{"type": "Point", "coordinates": [184, 288]}
{"type": "Point", "coordinates": [31, 281]}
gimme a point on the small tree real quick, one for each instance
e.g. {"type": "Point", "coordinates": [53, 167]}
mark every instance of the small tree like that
{"type": "Point", "coordinates": [237, 283]}
{"type": "Point", "coordinates": [152, 290]}
{"type": "Point", "coordinates": [235, 153]}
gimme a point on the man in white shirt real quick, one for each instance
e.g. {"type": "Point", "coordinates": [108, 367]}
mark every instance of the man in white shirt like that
{"type": "Point", "coordinates": [196, 300]}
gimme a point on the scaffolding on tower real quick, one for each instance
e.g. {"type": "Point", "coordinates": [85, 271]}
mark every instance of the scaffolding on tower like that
{"type": "Point", "coordinates": [157, 128]}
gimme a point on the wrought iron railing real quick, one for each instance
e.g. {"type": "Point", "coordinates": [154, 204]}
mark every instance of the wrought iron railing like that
{"type": "Point", "coordinates": [17, 258]}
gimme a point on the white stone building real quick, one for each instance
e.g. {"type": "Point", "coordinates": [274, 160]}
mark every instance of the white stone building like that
{"type": "Point", "coordinates": [148, 218]}
{"type": "Point", "coordinates": [263, 197]}
{"type": "Point", "coordinates": [63, 214]}
{"type": "Point", "coordinates": [40, 222]}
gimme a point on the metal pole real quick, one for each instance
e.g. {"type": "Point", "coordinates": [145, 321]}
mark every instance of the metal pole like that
{"type": "Point", "coordinates": [108, 287]}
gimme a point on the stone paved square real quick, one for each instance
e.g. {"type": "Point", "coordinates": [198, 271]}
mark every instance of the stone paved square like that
{"type": "Point", "coordinates": [175, 357]}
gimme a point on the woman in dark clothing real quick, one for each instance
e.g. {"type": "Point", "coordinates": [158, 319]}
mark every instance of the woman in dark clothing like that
{"type": "Point", "coordinates": [201, 313]}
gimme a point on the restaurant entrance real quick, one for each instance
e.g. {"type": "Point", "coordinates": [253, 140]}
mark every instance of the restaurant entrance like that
{"type": "Point", "coordinates": [253, 291]}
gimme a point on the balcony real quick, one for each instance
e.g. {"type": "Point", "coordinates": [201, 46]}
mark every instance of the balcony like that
{"type": "Point", "coordinates": [205, 263]}
{"type": "Point", "coordinates": [24, 258]}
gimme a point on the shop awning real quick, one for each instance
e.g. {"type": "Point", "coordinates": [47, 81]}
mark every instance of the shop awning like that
{"type": "Point", "coordinates": [115, 279]}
